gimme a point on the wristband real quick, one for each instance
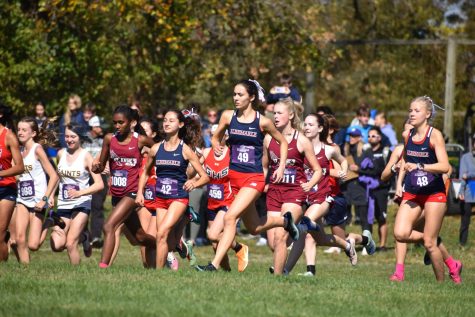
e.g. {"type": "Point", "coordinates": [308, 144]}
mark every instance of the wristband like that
{"type": "Point", "coordinates": [393, 168]}
{"type": "Point", "coordinates": [420, 166]}
{"type": "Point", "coordinates": [45, 198]}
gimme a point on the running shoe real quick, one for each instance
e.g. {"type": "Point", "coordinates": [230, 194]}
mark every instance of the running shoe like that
{"type": "Point", "coordinates": [307, 274]}
{"type": "Point", "coordinates": [182, 248]}
{"type": "Point", "coordinates": [332, 250]}
{"type": "Point", "coordinates": [271, 271]}
{"type": "Point", "coordinates": [396, 278]}
{"type": "Point", "coordinates": [364, 252]}
{"type": "Point", "coordinates": [97, 243]}
{"type": "Point", "coordinates": [262, 242]}
{"type": "Point", "coordinates": [193, 215]}
{"type": "Point", "coordinates": [351, 253]}
{"type": "Point", "coordinates": [191, 255]}
{"type": "Point", "coordinates": [86, 243]}
{"type": "Point", "coordinates": [243, 257]}
{"type": "Point", "coordinates": [370, 247]}
{"type": "Point", "coordinates": [455, 275]}
{"type": "Point", "coordinates": [172, 261]}
{"type": "Point", "coordinates": [206, 268]}
{"type": "Point", "coordinates": [290, 226]}
{"type": "Point", "coordinates": [306, 224]}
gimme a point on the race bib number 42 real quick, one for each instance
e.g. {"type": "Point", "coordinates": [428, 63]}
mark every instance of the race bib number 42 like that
{"type": "Point", "coordinates": [167, 186]}
{"type": "Point", "coordinates": [149, 192]}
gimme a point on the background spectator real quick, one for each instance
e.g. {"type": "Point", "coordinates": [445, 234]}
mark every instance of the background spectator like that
{"type": "Point", "coordinates": [467, 173]}
{"type": "Point", "coordinates": [386, 128]}
{"type": "Point", "coordinates": [40, 113]}
{"type": "Point", "coordinates": [72, 115]}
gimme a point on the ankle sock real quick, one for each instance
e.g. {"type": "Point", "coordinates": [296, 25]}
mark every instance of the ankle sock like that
{"type": "Point", "coordinates": [311, 269]}
{"type": "Point", "coordinates": [399, 270]}
{"type": "Point", "coordinates": [238, 247]}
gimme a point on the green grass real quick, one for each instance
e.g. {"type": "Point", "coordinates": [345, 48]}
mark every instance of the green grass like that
{"type": "Point", "coordinates": [49, 286]}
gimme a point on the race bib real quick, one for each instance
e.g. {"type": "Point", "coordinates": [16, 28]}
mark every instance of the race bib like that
{"type": "Point", "coordinates": [243, 154]}
{"type": "Point", "coordinates": [421, 178]}
{"type": "Point", "coordinates": [216, 191]}
{"type": "Point", "coordinates": [290, 175]}
{"type": "Point", "coordinates": [67, 187]}
{"type": "Point", "coordinates": [167, 186]}
{"type": "Point", "coordinates": [27, 189]}
{"type": "Point", "coordinates": [119, 178]}
{"type": "Point", "coordinates": [149, 193]}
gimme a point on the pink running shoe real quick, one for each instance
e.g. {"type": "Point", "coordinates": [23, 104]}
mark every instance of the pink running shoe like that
{"type": "Point", "coordinates": [396, 278]}
{"type": "Point", "coordinates": [172, 261]}
{"type": "Point", "coordinates": [455, 275]}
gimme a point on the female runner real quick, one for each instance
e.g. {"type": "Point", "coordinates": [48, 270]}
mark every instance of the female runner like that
{"type": "Point", "coordinates": [220, 198]}
{"type": "Point", "coordinates": [9, 152]}
{"type": "Point", "coordinates": [35, 193]}
{"type": "Point", "coordinates": [74, 199]}
{"type": "Point", "coordinates": [290, 194]}
{"type": "Point", "coordinates": [123, 150]}
{"type": "Point", "coordinates": [171, 157]}
{"type": "Point", "coordinates": [246, 134]}
{"type": "Point", "coordinates": [424, 161]}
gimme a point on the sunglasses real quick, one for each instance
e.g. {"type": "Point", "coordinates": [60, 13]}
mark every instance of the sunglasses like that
{"type": "Point", "coordinates": [212, 115]}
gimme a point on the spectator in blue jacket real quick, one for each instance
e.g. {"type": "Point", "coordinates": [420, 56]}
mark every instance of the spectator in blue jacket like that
{"type": "Point", "coordinates": [467, 193]}
{"type": "Point", "coordinates": [387, 129]}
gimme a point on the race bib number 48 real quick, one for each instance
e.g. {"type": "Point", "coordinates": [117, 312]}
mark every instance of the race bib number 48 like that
{"type": "Point", "coordinates": [421, 178]}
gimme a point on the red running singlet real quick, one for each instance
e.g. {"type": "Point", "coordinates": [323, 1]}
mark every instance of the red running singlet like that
{"type": "Point", "coordinates": [319, 193]}
{"type": "Point", "coordinates": [124, 166]}
{"type": "Point", "coordinates": [219, 187]}
{"type": "Point", "coordinates": [150, 199]}
{"type": "Point", "coordinates": [294, 173]}
{"type": "Point", "coordinates": [6, 161]}
{"type": "Point", "coordinates": [333, 181]}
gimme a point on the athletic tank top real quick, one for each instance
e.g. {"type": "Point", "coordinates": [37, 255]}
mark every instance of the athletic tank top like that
{"type": "Point", "coordinates": [246, 140]}
{"type": "Point", "coordinates": [6, 161]}
{"type": "Point", "coordinates": [219, 187]}
{"type": "Point", "coordinates": [73, 176]}
{"type": "Point", "coordinates": [294, 173]}
{"type": "Point", "coordinates": [421, 182]}
{"type": "Point", "coordinates": [32, 183]}
{"type": "Point", "coordinates": [171, 172]}
{"type": "Point", "coordinates": [149, 191]}
{"type": "Point", "coordinates": [323, 185]}
{"type": "Point", "coordinates": [124, 166]}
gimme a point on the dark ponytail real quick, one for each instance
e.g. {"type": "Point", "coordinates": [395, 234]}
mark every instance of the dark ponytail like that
{"type": "Point", "coordinates": [6, 116]}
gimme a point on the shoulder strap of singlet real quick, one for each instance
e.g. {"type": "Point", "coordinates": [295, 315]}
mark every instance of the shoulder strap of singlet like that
{"type": "Point", "coordinates": [296, 135]}
{"type": "Point", "coordinates": [258, 115]}
{"type": "Point", "coordinates": [429, 132]}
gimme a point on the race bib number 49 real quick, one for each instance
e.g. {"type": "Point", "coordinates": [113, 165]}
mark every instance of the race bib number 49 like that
{"type": "Point", "coordinates": [243, 154]}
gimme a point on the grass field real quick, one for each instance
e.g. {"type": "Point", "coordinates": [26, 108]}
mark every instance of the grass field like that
{"type": "Point", "coordinates": [49, 286]}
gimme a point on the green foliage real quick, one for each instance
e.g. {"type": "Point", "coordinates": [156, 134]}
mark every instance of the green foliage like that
{"type": "Point", "coordinates": [168, 53]}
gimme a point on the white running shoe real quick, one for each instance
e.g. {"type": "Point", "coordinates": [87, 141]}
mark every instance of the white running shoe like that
{"type": "Point", "coordinates": [307, 274]}
{"type": "Point", "coordinates": [351, 253]}
{"type": "Point", "coordinates": [332, 250]}
{"type": "Point", "coordinates": [364, 252]}
{"type": "Point", "coordinates": [262, 242]}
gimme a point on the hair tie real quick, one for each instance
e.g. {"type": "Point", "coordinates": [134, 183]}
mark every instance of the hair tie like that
{"type": "Point", "coordinates": [260, 90]}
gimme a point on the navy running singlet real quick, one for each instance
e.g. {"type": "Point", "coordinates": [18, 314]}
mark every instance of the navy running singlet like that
{"type": "Point", "coordinates": [171, 172]}
{"type": "Point", "coordinates": [246, 141]}
{"type": "Point", "coordinates": [421, 182]}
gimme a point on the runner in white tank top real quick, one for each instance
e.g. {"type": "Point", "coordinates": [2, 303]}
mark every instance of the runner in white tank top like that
{"type": "Point", "coordinates": [34, 193]}
{"type": "Point", "coordinates": [74, 200]}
